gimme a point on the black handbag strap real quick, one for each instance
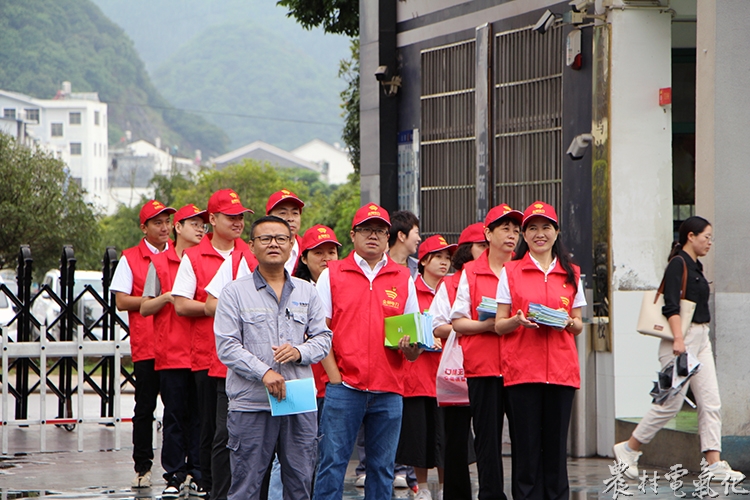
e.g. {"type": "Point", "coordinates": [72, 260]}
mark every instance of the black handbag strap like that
{"type": "Point", "coordinates": [684, 280]}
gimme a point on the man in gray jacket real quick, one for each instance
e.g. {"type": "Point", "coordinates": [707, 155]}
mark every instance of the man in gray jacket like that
{"type": "Point", "coordinates": [269, 328]}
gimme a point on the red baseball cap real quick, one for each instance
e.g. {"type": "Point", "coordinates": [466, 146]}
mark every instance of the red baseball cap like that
{"type": "Point", "coordinates": [283, 195]}
{"type": "Point", "coordinates": [316, 236]}
{"type": "Point", "coordinates": [371, 211]}
{"type": "Point", "coordinates": [188, 212]}
{"type": "Point", "coordinates": [227, 202]}
{"type": "Point", "coordinates": [152, 208]}
{"type": "Point", "coordinates": [540, 209]}
{"type": "Point", "coordinates": [434, 243]}
{"type": "Point", "coordinates": [473, 233]}
{"type": "Point", "coordinates": [500, 211]}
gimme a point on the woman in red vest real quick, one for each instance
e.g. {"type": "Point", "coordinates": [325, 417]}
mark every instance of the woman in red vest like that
{"type": "Point", "coordinates": [458, 442]}
{"type": "Point", "coordinates": [482, 347]}
{"type": "Point", "coordinates": [421, 444]}
{"type": "Point", "coordinates": [539, 363]}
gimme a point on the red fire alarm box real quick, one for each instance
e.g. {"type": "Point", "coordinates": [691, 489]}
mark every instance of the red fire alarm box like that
{"type": "Point", "coordinates": [665, 96]}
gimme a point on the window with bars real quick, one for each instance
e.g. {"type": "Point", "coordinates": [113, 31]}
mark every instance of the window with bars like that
{"type": "Point", "coordinates": [32, 114]}
{"type": "Point", "coordinates": [447, 139]}
{"type": "Point", "coordinates": [75, 148]}
{"type": "Point", "coordinates": [75, 118]}
{"type": "Point", "coordinates": [9, 113]}
{"type": "Point", "coordinates": [56, 129]}
{"type": "Point", "coordinates": [527, 81]}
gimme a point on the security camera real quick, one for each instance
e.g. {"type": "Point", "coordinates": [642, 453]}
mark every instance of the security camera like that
{"type": "Point", "coordinates": [578, 147]}
{"type": "Point", "coordinates": [382, 73]}
{"type": "Point", "coordinates": [579, 5]}
{"type": "Point", "coordinates": [545, 22]}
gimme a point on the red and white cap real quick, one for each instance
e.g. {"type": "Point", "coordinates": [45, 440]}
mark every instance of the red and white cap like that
{"type": "Point", "coordinates": [473, 233]}
{"type": "Point", "coordinates": [371, 211]}
{"type": "Point", "coordinates": [540, 209]}
{"type": "Point", "coordinates": [152, 208]}
{"type": "Point", "coordinates": [283, 196]}
{"type": "Point", "coordinates": [434, 243]}
{"type": "Point", "coordinates": [500, 211]}
{"type": "Point", "coordinates": [316, 236]}
{"type": "Point", "coordinates": [227, 202]}
{"type": "Point", "coordinates": [188, 212]}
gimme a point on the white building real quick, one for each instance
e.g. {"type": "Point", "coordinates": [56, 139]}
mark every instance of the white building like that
{"type": "Point", "coordinates": [334, 162]}
{"type": "Point", "coordinates": [264, 152]}
{"type": "Point", "coordinates": [72, 127]}
{"type": "Point", "coordinates": [132, 167]}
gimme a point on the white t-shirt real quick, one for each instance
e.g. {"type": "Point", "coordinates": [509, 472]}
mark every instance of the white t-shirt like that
{"type": "Point", "coordinates": [224, 276]}
{"type": "Point", "coordinates": [440, 309]}
{"type": "Point", "coordinates": [122, 281]}
{"type": "Point", "coordinates": [324, 286]}
{"type": "Point", "coordinates": [185, 283]}
{"type": "Point", "coordinates": [503, 289]}
{"type": "Point", "coordinates": [292, 261]}
{"type": "Point", "coordinates": [462, 305]}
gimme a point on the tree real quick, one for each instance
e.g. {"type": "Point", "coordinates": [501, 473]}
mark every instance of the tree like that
{"type": "Point", "coordinates": [335, 16]}
{"type": "Point", "coordinates": [349, 71]}
{"type": "Point", "coordinates": [43, 207]}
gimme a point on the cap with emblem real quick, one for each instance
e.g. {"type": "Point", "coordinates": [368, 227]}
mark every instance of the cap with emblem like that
{"type": "Point", "coordinates": [188, 212]}
{"type": "Point", "coordinates": [283, 196]}
{"type": "Point", "coordinates": [316, 236]}
{"type": "Point", "coordinates": [227, 202]}
{"type": "Point", "coordinates": [152, 208]}
{"type": "Point", "coordinates": [540, 209]}
{"type": "Point", "coordinates": [371, 211]}
{"type": "Point", "coordinates": [434, 243]}
{"type": "Point", "coordinates": [500, 211]}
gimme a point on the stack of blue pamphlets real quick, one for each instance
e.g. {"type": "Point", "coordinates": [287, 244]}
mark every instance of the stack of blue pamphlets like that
{"type": "Point", "coordinates": [547, 316]}
{"type": "Point", "coordinates": [487, 308]}
{"type": "Point", "coordinates": [418, 326]}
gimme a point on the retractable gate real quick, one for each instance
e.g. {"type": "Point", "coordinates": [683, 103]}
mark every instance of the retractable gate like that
{"type": "Point", "coordinates": [77, 346]}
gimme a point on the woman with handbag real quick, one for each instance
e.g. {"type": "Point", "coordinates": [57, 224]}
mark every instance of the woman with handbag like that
{"type": "Point", "coordinates": [539, 363]}
{"type": "Point", "coordinates": [695, 238]}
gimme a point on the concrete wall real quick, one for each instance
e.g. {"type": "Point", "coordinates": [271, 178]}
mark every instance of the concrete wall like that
{"type": "Point", "coordinates": [722, 187]}
{"type": "Point", "coordinates": [641, 207]}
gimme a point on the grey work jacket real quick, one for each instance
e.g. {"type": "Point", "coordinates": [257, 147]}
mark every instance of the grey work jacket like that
{"type": "Point", "coordinates": [249, 320]}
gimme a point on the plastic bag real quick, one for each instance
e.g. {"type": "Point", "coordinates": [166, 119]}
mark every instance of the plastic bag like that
{"type": "Point", "coordinates": [451, 383]}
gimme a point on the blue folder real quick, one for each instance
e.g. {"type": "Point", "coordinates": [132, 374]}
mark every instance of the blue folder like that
{"type": "Point", "coordinates": [300, 398]}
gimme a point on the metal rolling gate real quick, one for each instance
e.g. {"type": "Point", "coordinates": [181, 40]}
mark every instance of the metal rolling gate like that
{"type": "Point", "coordinates": [74, 352]}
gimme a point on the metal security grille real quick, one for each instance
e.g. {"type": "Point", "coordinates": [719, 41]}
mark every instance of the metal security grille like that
{"type": "Point", "coordinates": [527, 75]}
{"type": "Point", "coordinates": [447, 145]}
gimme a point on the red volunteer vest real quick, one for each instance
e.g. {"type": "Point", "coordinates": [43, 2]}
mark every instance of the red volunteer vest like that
{"type": "Point", "coordinates": [451, 285]}
{"type": "Point", "coordinates": [542, 355]}
{"type": "Point", "coordinates": [420, 375]}
{"type": "Point", "coordinates": [252, 261]}
{"type": "Point", "coordinates": [171, 332]}
{"type": "Point", "coordinates": [141, 329]}
{"type": "Point", "coordinates": [482, 350]}
{"type": "Point", "coordinates": [359, 310]}
{"type": "Point", "coordinates": [205, 261]}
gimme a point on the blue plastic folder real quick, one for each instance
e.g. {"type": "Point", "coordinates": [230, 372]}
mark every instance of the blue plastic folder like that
{"type": "Point", "coordinates": [300, 398]}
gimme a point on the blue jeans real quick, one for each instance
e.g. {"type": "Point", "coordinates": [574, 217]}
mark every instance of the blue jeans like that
{"type": "Point", "coordinates": [344, 411]}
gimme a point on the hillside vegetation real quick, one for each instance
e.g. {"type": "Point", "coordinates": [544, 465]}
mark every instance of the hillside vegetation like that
{"type": "Point", "coordinates": [45, 42]}
{"type": "Point", "coordinates": [240, 57]}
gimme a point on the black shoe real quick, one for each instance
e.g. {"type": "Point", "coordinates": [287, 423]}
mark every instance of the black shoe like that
{"type": "Point", "coordinates": [197, 491]}
{"type": "Point", "coordinates": [173, 489]}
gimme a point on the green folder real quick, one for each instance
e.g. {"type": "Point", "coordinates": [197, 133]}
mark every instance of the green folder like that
{"type": "Point", "coordinates": [398, 326]}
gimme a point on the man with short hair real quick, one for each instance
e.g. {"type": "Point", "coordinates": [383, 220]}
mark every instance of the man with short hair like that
{"type": "Point", "coordinates": [366, 378]}
{"type": "Point", "coordinates": [269, 328]}
{"type": "Point", "coordinates": [127, 284]}
{"type": "Point", "coordinates": [404, 239]}
{"type": "Point", "coordinates": [198, 266]}
{"type": "Point", "coordinates": [181, 430]}
{"type": "Point", "coordinates": [288, 206]}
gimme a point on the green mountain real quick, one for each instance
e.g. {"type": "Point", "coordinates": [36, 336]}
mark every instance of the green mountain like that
{"type": "Point", "coordinates": [240, 57]}
{"type": "Point", "coordinates": [45, 42]}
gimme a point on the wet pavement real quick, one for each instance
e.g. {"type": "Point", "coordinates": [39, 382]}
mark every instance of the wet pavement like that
{"type": "Point", "coordinates": [100, 472]}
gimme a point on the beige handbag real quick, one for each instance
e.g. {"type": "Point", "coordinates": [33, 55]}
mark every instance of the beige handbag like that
{"type": "Point", "coordinates": [652, 322]}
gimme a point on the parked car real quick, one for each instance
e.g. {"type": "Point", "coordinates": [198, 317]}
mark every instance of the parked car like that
{"type": "Point", "coordinates": [88, 309]}
{"type": "Point", "coordinates": [6, 316]}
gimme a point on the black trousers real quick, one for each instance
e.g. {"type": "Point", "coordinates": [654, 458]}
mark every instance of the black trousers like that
{"type": "Point", "coordinates": [540, 416]}
{"type": "Point", "coordinates": [457, 485]}
{"type": "Point", "coordinates": [206, 396]}
{"type": "Point", "coordinates": [146, 392]}
{"type": "Point", "coordinates": [486, 400]}
{"type": "Point", "coordinates": [180, 449]}
{"type": "Point", "coordinates": [221, 470]}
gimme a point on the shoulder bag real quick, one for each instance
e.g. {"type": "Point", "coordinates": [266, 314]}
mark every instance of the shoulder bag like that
{"type": "Point", "coordinates": [652, 322]}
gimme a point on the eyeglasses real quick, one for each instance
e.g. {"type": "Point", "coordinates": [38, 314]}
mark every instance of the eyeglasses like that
{"type": "Point", "coordinates": [197, 226]}
{"type": "Point", "coordinates": [369, 231]}
{"type": "Point", "coordinates": [265, 239]}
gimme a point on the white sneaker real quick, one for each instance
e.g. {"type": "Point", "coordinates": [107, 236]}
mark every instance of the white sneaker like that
{"type": "Point", "coordinates": [399, 481]}
{"type": "Point", "coordinates": [629, 457]}
{"type": "Point", "coordinates": [360, 482]}
{"type": "Point", "coordinates": [439, 495]}
{"type": "Point", "coordinates": [722, 470]}
{"type": "Point", "coordinates": [423, 494]}
{"type": "Point", "coordinates": [141, 480]}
